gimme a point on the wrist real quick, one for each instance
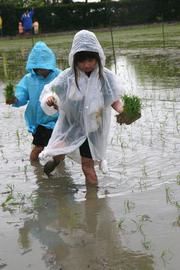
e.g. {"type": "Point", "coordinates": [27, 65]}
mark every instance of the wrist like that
{"type": "Point", "coordinates": [121, 109]}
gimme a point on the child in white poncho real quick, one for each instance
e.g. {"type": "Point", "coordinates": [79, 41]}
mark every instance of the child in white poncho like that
{"type": "Point", "coordinates": [84, 94]}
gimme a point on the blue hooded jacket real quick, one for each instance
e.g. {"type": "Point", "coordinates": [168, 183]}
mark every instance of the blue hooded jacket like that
{"type": "Point", "coordinates": [29, 88]}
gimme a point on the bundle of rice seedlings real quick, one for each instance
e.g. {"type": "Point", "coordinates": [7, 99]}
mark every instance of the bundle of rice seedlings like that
{"type": "Point", "coordinates": [132, 110]}
{"type": "Point", "coordinates": [9, 93]}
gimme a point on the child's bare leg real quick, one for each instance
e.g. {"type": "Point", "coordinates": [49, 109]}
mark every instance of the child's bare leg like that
{"type": "Point", "coordinates": [35, 153]}
{"type": "Point", "coordinates": [89, 171]}
{"type": "Point", "coordinates": [52, 164]}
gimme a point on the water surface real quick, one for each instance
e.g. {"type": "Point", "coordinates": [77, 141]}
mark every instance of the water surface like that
{"type": "Point", "coordinates": [132, 220]}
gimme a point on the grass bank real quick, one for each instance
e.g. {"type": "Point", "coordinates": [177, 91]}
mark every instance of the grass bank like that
{"type": "Point", "coordinates": [141, 36]}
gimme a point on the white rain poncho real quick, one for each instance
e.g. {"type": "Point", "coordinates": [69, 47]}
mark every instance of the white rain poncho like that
{"type": "Point", "coordinates": [85, 111]}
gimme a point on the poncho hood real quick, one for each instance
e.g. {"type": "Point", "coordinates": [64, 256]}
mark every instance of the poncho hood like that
{"type": "Point", "coordinates": [41, 57]}
{"type": "Point", "coordinates": [86, 41]}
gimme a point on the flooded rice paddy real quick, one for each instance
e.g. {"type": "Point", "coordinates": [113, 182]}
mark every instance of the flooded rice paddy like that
{"type": "Point", "coordinates": [132, 221]}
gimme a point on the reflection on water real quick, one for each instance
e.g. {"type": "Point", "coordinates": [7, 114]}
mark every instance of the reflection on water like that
{"type": "Point", "coordinates": [67, 224]}
{"type": "Point", "coordinates": [77, 234]}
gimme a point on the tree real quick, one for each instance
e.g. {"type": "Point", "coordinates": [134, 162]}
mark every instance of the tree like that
{"type": "Point", "coordinates": [28, 3]}
{"type": "Point", "coordinates": [66, 1]}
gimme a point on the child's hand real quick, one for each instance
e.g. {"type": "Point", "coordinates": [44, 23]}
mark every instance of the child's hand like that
{"type": "Point", "coordinates": [11, 101]}
{"type": "Point", "coordinates": [117, 106]}
{"type": "Point", "coordinates": [51, 101]}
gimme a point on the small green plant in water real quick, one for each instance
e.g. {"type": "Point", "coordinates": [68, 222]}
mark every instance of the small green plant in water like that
{"type": "Point", "coordinates": [166, 256]}
{"type": "Point", "coordinates": [178, 179]}
{"type": "Point", "coordinates": [177, 222]}
{"type": "Point", "coordinates": [170, 198]}
{"type": "Point", "coordinates": [18, 137]}
{"type": "Point", "coordinates": [128, 206]}
{"type": "Point", "coordinates": [121, 223]}
{"type": "Point", "coordinates": [10, 196]}
{"type": "Point", "coordinates": [132, 110]}
{"type": "Point", "coordinates": [146, 244]}
{"type": "Point", "coordinates": [9, 92]}
{"type": "Point", "coordinates": [168, 195]}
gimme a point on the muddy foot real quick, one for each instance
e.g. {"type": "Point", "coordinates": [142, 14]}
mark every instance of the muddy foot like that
{"type": "Point", "coordinates": [50, 166]}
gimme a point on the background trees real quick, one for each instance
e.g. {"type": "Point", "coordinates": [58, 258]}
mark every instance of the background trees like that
{"type": "Point", "coordinates": [55, 16]}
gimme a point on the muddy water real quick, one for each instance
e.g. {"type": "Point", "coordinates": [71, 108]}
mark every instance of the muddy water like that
{"type": "Point", "coordinates": [132, 220]}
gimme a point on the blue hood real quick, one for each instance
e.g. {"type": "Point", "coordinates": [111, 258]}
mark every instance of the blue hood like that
{"type": "Point", "coordinates": [41, 57]}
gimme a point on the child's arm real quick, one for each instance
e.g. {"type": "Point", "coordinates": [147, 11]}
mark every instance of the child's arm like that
{"type": "Point", "coordinates": [31, 13]}
{"type": "Point", "coordinates": [21, 93]}
{"type": "Point", "coordinates": [117, 106]}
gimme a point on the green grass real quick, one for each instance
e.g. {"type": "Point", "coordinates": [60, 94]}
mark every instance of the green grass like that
{"type": "Point", "coordinates": [14, 50]}
{"type": "Point", "coordinates": [146, 36]}
{"type": "Point", "coordinates": [142, 36]}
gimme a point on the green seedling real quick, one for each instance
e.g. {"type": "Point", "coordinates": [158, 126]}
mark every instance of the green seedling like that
{"type": "Point", "coordinates": [168, 195]}
{"type": "Point", "coordinates": [177, 204]}
{"type": "Point", "coordinates": [142, 184]}
{"type": "Point", "coordinates": [121, 223]}
{"type": "Point", "coordinates": [170, 198]}
{"type": "Point", "coordinates": [178, 179]}
{"type": "Point", "coordinates": [132, 110]}
{"type": "Point", "coordinates": [139, 228]}
{"type": "Point", "coordinates": [177, 222]}
{"type": "Point", "coordinates": [128, 206]}
{"type": "Point", "coordinates": [146, 244]}
{"type": "Point", "coordinates": [132, 105]}
{"type": "Point", "coordinates": [9, 93]}
{"type": "Point", "coordinates": [10, 196]}
{"type": "Point", "coordinates": [13, 199]}
{"type": "Point", "coordinates": [140, 223]}
{"type": "Point", "coordinates": [166, 256]}
{"type": "Point", "coordinates": [18, 137]}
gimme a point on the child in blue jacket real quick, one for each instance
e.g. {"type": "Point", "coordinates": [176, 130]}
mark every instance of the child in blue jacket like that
{"type": "Point", "coordinates": [41, 66]}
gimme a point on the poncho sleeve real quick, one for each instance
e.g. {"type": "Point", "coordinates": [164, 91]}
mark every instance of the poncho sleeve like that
{"type": "Point", "coordinates": [113, 87]}
{"type": "Point", "coordinates": [21, 93]}
{"type": "Point", "coordinates": [57, 89]}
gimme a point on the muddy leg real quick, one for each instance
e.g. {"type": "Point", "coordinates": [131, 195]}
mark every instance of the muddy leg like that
{"type": "Point", "coordinates": [35, 153]}
{"type": "Point", "coordinates": [89, 171]}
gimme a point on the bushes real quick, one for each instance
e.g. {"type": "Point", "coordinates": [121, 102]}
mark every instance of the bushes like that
{"type": "Point", "coordinates": [10, 16]}
{"type": "Point", "coordinates": [61, 17]}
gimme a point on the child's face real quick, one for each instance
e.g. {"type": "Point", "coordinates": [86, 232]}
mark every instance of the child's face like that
{"type": "Point", "coordinates": [87, 65]}
{"type": "Point", "coordinates": [42, 72]}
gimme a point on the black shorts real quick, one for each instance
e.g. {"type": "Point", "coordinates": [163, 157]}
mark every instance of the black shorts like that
{"type": "Point", "coordinates": [42, 136]}
{"type": "Point", "coordinates": [85, 150]}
